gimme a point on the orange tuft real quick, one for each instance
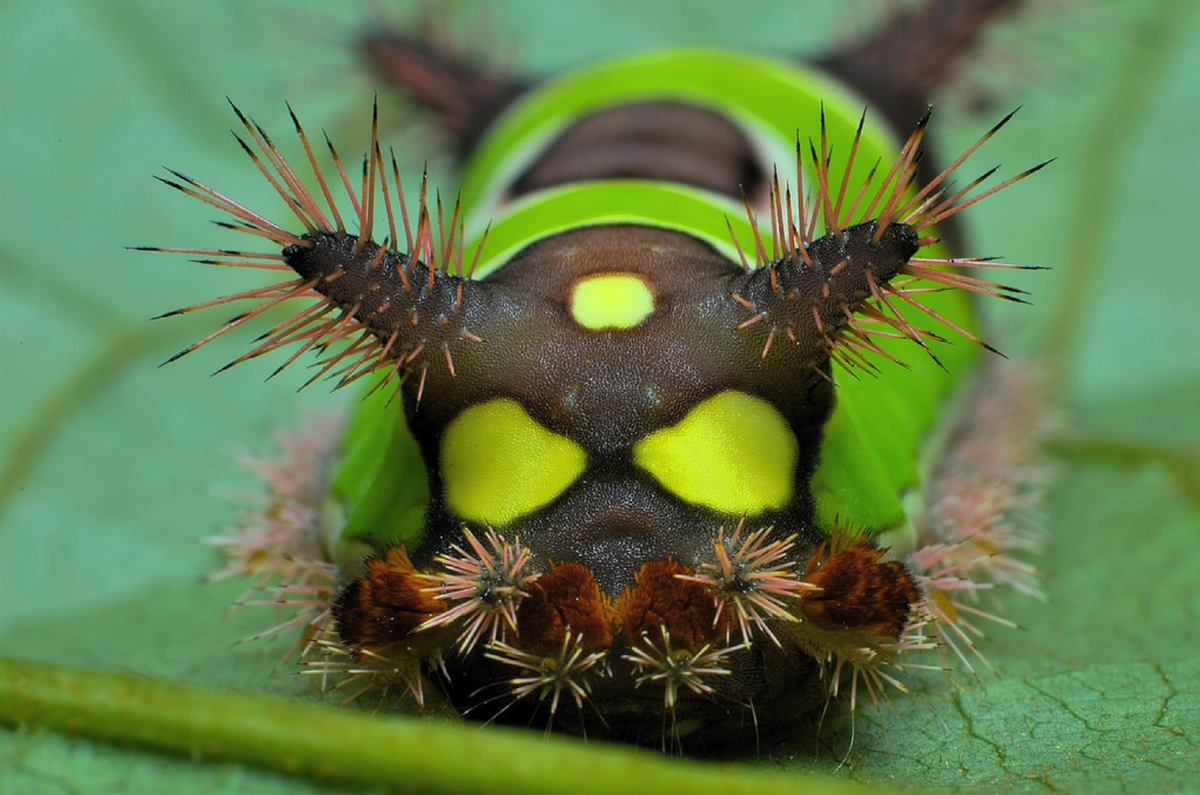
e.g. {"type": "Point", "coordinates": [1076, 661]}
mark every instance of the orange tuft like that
{"type": "Point", "coordinates": [662, 601]}
{"type": "Point", "coordinates": [564, 601]}
{"type": "Point", "coordinates": [386, 604]}
{"type": "Point", "coordinates": [859, 593]}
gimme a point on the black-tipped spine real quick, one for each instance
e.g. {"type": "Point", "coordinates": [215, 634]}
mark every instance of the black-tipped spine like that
{"type": "Point", "coordinates": [812, 297]}
{"type": "Point", "coordinates": [407, 306]}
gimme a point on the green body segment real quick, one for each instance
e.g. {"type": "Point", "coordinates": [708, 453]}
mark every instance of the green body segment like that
{"type": "Point", "coordinates": [768, 98]}
{"type": "Point", "coordinates": [869, 460]}
{"type": "Point", "coordinates": [380, 490]}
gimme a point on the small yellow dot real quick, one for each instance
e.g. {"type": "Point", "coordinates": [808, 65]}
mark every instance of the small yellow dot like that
{"type": "Point", "coordinates": [611, 300]}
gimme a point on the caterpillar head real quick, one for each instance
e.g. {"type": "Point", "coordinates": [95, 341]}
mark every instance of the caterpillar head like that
{"type": "Point", "coordinates": [609, 436]}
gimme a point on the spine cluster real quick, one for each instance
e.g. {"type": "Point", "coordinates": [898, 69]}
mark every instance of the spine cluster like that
{"type": "Point", "coordinates": [373, 307]}
{"type": "Point", "coordinates": [678, 627]}
{"type": "Point", "coordinates": [860, 280]}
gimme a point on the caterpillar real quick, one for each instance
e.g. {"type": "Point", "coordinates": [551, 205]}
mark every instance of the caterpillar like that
{"type": "Point", "coordinates": [649, 407]}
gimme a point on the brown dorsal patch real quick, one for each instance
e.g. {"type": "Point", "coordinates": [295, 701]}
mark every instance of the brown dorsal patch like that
{"type": "Point", "coordinates": [564, 600]}
{"type": "Point", "coordinates": [660, 601]}
{"type": "Point", "coordinates": [386, 604]}
{"type": "Point", "coordinates": [665, 141]}
{"type": "Point", "coordinates": [857, 592]}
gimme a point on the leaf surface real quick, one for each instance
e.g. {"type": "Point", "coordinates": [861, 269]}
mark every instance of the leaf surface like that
{"type": "Point", "coordinates": [112, 469]}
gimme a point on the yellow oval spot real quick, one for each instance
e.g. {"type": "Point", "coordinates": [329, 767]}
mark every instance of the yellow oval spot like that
{"type": "Point", "coordinates": [611, 300]}
{"type": "Point", "coordinates": [733, 453]}
{"type": "Point", "coordinates": [499, 464]}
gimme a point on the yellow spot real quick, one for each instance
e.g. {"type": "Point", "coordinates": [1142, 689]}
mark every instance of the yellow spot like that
{"type": "Point", "coordinates": [611, 300]}
{"type": "Point", "coordinates": [498, 464]}
{"type": "Point", "coordinates": [733, 453]}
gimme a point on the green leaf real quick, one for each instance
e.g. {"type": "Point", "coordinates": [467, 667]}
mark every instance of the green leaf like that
{"type": "Point", "coordinates": [113, 469]}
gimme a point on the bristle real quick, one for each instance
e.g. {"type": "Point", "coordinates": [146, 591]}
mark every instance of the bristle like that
{"type": "Point", "coordinates": [277, 541]}
{"type": "Point", "coordinates": [760, 253]}
{"type": "Point", "coordinates": [364, 668]}
{"type": "Point", "coordinates": [987, 481]}
{"type": "Point", "coordinates": [367, 220]}
{"type": "Point", "coordinates": [824, 198]}
{"type": "Point", "coordinates": [256, 258]}
{"type": "Point", "coordinates": [308, 337]}
{"type": "Point", "coordinates": [943, 213]}
{"type": "Point", "coordinates": [312, 162]}
{"type": "Point", "coordinates": [843, 221]}
{"type": "Point", "coordinates": [946, 322]}
{"type": "Point", "coordinates": [254, 221]}
{"type": "Point", "coordinates": [941, 177]}
{"type": "Point", "coordinates": [299, 328]}
{"type": "Point", "coordinates": [775, 208]}
{"type": "Point", "coordinates": [273, 295]}
{"type": "Point", "coordinates": [337, 163]}
{"type": "Point", "coordinates": [295, 204]}
{"type": "Point", "coordinates": [408, 236]}
{"type": "Point", "coordinates": [304, 204]}
{"type": "Point", "coordinates": [895, 180]}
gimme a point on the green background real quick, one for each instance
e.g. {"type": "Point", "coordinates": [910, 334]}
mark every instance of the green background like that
{"type": "Point", "coordinates": [113, 469]}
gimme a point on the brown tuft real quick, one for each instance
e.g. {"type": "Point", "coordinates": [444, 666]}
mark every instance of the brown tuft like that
{"type": "Point", "coordinates": [859, 593]}
{"type": "Point", "coordinates": [916, 53]}
{"type": "Point", "coordinates": [564, 600]}
{"type": "Point", "coordinates": [386, 604]}
{"type": "Point", "coordinates": [660, 601]}
{"type": "Point", "coordinates": [465, 93]}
